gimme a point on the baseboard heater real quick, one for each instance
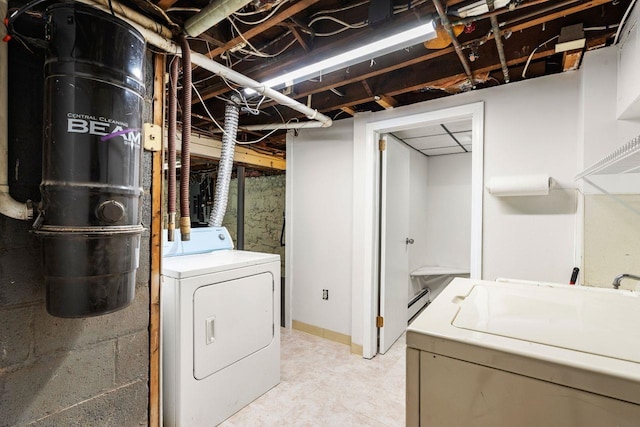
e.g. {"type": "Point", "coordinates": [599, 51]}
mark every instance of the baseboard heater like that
{"type": "Point", "coordinates": [417, 302]}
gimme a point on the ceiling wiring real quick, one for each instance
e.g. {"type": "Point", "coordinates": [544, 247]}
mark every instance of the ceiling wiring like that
{"type": "Point", "coordinates": [254, 51]}
{"type": "Point", "coordinates": [222, 128]}
{"type": "Point", "coordinates": [526, 66]}
{"type": "Point", "coordinates": [258, 11]}
{"type": "Point", "coordinates": [273, 11]}
{"type": "Point", "coordinates": [342, 9]}
{"type": "Point", "coordinates": [345, 25]}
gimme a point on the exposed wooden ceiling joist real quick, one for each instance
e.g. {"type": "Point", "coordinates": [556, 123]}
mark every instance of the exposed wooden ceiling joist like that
{"type": "Point", "coordinates": [395, 79]}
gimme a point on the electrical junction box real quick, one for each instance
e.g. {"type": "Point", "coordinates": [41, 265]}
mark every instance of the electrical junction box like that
{"type": "Point", "coordinates": [380, 11]}
{"type": "Point", "coordinates": [152, 137]}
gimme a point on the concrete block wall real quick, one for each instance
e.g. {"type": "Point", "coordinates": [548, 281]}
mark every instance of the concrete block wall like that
{"type": "Point", "coordinates": [71, 372]}
{"type": "Point", "coordinates": [66, 371]}
{"type": "Point", "coordinates": [264, 206]}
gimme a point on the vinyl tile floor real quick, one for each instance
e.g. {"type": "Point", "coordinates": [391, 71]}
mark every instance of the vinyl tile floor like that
{"type": "Point", "coordinates": [323, 384]}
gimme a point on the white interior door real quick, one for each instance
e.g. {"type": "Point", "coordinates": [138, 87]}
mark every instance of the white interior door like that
{"type": "Point", "coordinates": [394, 246]}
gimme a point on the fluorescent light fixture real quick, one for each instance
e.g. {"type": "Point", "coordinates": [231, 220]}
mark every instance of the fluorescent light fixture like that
{"type": "Point", "coordinates": [479, 7]}
{"type": "Point", "coordinates": [381, 47]}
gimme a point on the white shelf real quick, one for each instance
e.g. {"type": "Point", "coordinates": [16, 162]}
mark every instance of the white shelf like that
{"type": "Point", "coordinates": [625, 159]}
{"type": "Point", "coordinates": [437, 270]}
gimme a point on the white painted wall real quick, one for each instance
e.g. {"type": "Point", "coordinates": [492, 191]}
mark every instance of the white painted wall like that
{"type": "Point", "coordinates": [554, 125]}
{"type": "Point", "coordinates": [448, 212]}
{"type": "Point", "coordinates": [530, 127]}
{"type": "Point", "coordinates": [318, 235]}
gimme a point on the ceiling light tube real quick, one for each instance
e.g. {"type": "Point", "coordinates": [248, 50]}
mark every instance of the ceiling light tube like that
{"type": "Point", "coordinates": [380, 47]}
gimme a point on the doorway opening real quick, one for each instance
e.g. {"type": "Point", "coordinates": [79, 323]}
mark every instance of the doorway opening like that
{"type": "Point", "coordinates": [374, 263]}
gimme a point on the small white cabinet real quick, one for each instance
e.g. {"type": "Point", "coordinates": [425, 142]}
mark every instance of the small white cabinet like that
{"type": "Point", "coordinates": [628, 86]}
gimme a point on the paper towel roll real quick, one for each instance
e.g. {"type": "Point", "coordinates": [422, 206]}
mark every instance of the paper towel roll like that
{"type": "Point", "coordinates": [521, 185]}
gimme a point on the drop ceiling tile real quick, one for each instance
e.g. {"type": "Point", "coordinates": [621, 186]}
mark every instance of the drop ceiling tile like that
{"type": "Point", "coordinates": [459, 126]}
{"type": "Point", "coordinates": [421, 131]}
{"type": "Point", "coordinates": [463, 137]}
{"type": "Point", "coordinates": [430, 142]}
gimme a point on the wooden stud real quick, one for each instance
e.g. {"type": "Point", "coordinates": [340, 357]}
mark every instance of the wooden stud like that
{"type": "Point", "coordinates": [156, 245]}
{"type": "Point", "coordinates": [349, 110]}
{"type": "Point", "coordinates": [294, 30]}
{"type": "Point", "coordinates": [338, 80]}
{"type": "Point", "coordinates": [571, 60]}
{"type": "Point", "coordinates": [367, 88]}
{"type": "Point", "coordinates": [386, 102]}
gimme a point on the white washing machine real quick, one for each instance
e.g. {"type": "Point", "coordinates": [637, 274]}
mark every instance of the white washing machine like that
{"type": "Point", "coordinates": [220, 330]}
{"type": "Point", "coordinates": [505, 354]}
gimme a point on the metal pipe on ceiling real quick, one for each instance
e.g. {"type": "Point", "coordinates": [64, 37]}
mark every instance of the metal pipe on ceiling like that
{"type": "Point", "coordinates": [155, 38]}
{"type": "Point", "coordinates": [456, 44]}
{"type": "Point", "coordinates": [277, 126]}
{"type": "Point", "coordinates": [498, 37]}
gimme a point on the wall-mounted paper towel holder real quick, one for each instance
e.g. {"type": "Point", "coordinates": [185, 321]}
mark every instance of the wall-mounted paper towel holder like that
{"type": "Point", "coordinates": [520, 185]}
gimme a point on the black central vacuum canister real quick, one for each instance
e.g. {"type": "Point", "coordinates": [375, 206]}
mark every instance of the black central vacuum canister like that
{"type": "Point", "coordinates": [91, 183]}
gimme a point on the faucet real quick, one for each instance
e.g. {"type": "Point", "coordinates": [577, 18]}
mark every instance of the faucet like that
{"type": "Point", "coordinates": [618, 279]}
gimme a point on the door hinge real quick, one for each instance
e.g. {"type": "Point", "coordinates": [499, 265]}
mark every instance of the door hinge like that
{"type": "Point", "coordinates": [379, 321]}
{"type": "Point", "coordinates": [382, 144]}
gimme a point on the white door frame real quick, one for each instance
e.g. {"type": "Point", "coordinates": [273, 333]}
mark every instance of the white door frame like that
{"type": "Point", "coordinates": [365, 259]}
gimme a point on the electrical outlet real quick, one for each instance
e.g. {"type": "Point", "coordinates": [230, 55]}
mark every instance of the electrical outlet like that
{"type": "Point", "coordinates": [325, 294]}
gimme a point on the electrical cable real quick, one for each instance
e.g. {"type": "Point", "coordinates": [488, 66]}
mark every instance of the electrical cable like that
{"type": "Point", "coordinates": [22, 10]}
{"type": "Point", "coordinates": [247, 42]}
{"type": "Point", "coordinates": [602, 28]}
{"type": "Point", "coordinates": [260, 21]}
{"type": "Point", "coordinates": [623, 20]}
{"type": "Point", "coordinates": [257, 52]}
{"type": "Point", "coordinates": [524, 71]}
{"type": "Point", "coordinates": [222, 128]}
{"type": "Point", "coordinates": [270, 55]}
{"type": "Point", "coordinates": [24, 40]}
{"type": "Point", "coordinates": [161, 11]}
{"type": "Point", "coordinates": [345, 26]}
{"type": "Point", "coordinates": [351, 6]}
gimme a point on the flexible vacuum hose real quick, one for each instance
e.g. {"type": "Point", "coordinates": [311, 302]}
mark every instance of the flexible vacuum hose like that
{"type": "Point", "coordinates": [173, 118]}
{"type": "Point", "coordinates": [231, 115]}
{"type": "Point", "coordinates": [185, 158]}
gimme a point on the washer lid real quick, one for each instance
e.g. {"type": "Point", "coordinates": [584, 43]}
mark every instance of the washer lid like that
{"type": "Point", "coordinates": [591, 322]}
